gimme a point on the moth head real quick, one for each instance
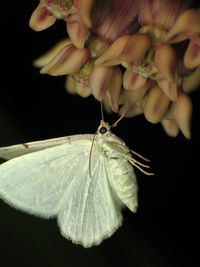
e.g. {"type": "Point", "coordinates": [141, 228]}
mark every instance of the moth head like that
{"type": "Point", "coordinates": [104, 127]}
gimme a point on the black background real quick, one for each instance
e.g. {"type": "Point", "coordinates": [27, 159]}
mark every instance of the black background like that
{"type": "Point", "coordinates": [163, 232]}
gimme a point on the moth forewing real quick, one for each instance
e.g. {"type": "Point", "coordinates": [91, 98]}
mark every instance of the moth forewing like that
{"type": "Point", "coordinates": [14, 151]}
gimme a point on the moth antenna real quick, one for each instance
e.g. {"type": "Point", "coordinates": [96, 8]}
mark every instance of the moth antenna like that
{"type": "Point", "coordinates": [90, 155]}
{"type": "Point", "coordinates": [121, 117]}
{"type": "Point", "coordinates": [102, 115]}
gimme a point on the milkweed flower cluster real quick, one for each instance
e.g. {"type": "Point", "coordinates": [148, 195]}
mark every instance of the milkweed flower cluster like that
{"type": "Point", "coordinates": [140, 52]}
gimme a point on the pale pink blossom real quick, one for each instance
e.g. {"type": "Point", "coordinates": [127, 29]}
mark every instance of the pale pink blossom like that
{"type": "Point", "coordinates": [127, 52]}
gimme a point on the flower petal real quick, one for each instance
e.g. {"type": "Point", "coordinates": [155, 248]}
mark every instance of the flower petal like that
{"type": "Point", "coordinates": [114, 90]}
{"type": "Point", "coordinates": [192, 81]}
{"type": "Point", "coordinates": [156, 105]}
{"type": "Point", "coordinates": [83, 90]}
{"type": "Point", "coordinates": [131, 81]}
{"type": "Point", "coordinates": [134, 100]}
{"type": "Point", "coordinates": [67, 61]}
{"type": "Point", "coordinates": [162, 13]}
{"type": "Point", "coordinates": [170, 127]}
{"type": "Point", "coordinates": [183, 24]}
{"type": "Point", "coordinates": [49, 55]}
{"type": "Point", "coordinates": [41, 18]}
{"type": "Point", "coordinates": [136, 47]}
{"type": "Point", "coordinates": [166, 61]}
{"type": "Point", "coordinates": [131, 101]}
{"type": "Point", "coordinates": [111, 56]}
{"type": "Point", "coordinates": [192, 56]}
{"type": "Point", "coordinates": [181, 112]}
{"type": "Point", "coordinates": [70, 85]}
{"type": "Point", "coordinates": [169, 88]}
{"type": "Point", "coordinates": [132, 110]}
{"type": "Point", "coordinates": [99, 81]}
{"type": "Point", "coordinates": [85, 9]}
{"type": "Point", "coordinates": [78, 33]}
{"type": "Point", "coordinates": [106, 104]}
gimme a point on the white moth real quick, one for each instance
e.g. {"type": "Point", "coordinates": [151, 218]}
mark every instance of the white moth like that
{"type": "Point", "coordinates": [83, 180]}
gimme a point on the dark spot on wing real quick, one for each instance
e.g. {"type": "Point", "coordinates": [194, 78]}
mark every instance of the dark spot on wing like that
{"type": "Point", "coordinates": [25, 145]}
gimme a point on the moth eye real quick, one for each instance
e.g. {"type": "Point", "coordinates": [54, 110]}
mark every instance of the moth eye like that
{"type": "Point", "coordinates": [103, 130]}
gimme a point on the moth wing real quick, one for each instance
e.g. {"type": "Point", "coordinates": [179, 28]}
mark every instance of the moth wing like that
{"type": "Point", "coordinates": [37, 182]}
{"type": "Point", "coordinates": [14, 151]}
{"type": "Point", "coordinates": [90, 212]}
{"type": "Point", "coordinates": [56, 181]}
